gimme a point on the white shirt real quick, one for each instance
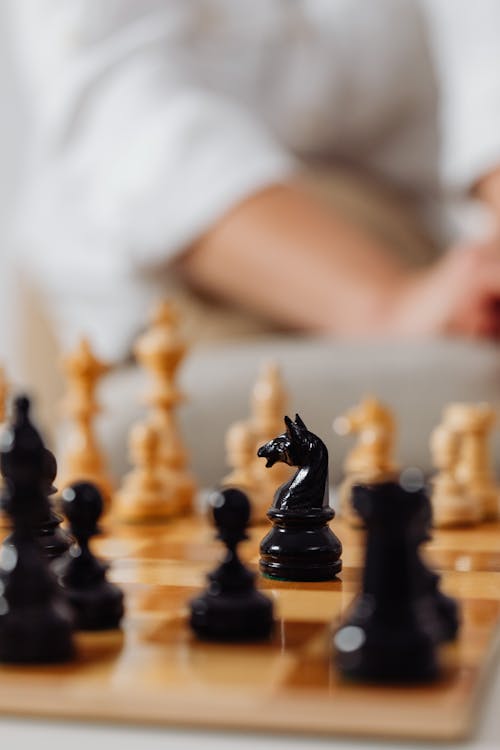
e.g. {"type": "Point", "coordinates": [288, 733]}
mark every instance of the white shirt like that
{"type": "Point", "coordinates": [152, 118]}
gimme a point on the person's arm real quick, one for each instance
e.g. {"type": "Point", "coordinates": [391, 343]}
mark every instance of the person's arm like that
{"type": "Point", "coordinates": [488, 190]}
{"type": "Point", "coordinates": [280, 255]}
{"type": "Point", "coordinates": [283, 255]}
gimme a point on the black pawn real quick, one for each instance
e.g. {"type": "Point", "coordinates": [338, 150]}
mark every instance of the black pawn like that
{"type": "Point", "coordinates": [98, 604]}
{"type": "Point", "coordinates": [53, 540]}
{"type": "Point", "coordinates": [388, 635]}
{"type": "Point", "coordinates": [231, 609]}
{"type": "Point", "coordinates": [35, 620]}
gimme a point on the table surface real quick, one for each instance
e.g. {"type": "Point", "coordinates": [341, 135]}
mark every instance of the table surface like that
{"type": "Point", "coordinates": [23, 733]}
{"type": "Point", "coordinates": [46, 733]}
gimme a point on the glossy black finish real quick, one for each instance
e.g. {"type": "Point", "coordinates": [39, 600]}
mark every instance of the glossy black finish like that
{"type": "Point", "coordinates": [53, 540]}
{"type": "Point", "coordinates": [35, 620]}
{"type": "Point", "coordinates": [231, 609]}
{"type": "Point", "coordinates": [442, 613]}
{"type": "Point", "coordinates": [395, 625]}
{"type": "Point", "coordinates": [300, 546]}
{"type": "Point", "coordinates": [98, 604]}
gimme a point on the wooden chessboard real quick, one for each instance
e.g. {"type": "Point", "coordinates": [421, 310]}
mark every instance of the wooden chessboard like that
{"type": "Point", "coordinates": [155, 672]}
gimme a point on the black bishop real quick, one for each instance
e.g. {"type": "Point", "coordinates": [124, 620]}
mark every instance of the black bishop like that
{"type": "Point", "coordinates": [36, 622]}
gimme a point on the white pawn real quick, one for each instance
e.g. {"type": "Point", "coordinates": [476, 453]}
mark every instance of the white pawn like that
{"type": "Point", "coordinates": [240, 452]}
{"type": "Point", "coordinates": [160, 351]}
{"type": "Point", "coordinates": [83, 459]}
{"type": "Point", "coordinates": [371, 460]}
{"type": "Point", "coordinates": [452, 505]}
{"type": "Point", "coordinates": [268, 407]}
{"type": "Point", "coordinates": [143, 496]}
{"type": "Point", "coordinates": [474, 424]}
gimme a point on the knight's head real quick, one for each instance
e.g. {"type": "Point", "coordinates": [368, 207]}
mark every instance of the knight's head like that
{"type": "Point", "coordinates": [292, 447]}
{"type": "Point", "coordinates": [369, 413]}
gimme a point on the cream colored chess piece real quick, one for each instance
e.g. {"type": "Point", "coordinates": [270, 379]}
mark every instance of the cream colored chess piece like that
{"type": "Point", "coordinates": [240, 455]}
{"type": "Point", "coordinates": [474, 424]}
{"type": "Point", "coordinates": [248, 472]}
{"type": "Point", "coordinates": [371, 459]}
{"type": "Point", "coordinates": [452, 504]}
{"type": "Point", "coordinates": [269, 406]}
{"type": "Point", "coordinates": [143, 495]}
{"type": "Point", "coordinates": [84, 460]}
{"type": "Point", "coordinates": [160, 350]}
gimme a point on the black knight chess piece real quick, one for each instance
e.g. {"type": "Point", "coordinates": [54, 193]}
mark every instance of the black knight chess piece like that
{"type": "Point", "coordinates": [300, 546]}
{"type": "Point", "coordinates": [36, 622]}
{"type": "Point", "coordinates": [393, 629]}
{"type": "Point", "coordinates": [231, 609]}
{"type": "Point", "coordinates": [97, 603]}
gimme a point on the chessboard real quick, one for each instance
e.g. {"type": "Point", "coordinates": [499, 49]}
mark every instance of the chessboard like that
{"type": "Point", "coordinates": [154, 671]}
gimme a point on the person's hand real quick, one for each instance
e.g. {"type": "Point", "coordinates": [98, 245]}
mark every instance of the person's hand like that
{"type": "Point", "coordinates": [460, 295]}
{"type": "Point", "coordinates": [487, 190]}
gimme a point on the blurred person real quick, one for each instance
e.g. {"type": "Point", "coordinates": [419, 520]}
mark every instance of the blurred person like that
{"type": "Point", "coordinates": [174, 142]}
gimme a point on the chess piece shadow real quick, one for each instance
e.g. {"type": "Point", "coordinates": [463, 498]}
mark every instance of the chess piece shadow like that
{"type": "Point", "coordinates": [98, 604]}
{"type": "Point", "coordinates": [231, 608]}
{"type": "Point", "coordinates": [97, 646]}
{"type": "Point", "coordinates": [301, 546]}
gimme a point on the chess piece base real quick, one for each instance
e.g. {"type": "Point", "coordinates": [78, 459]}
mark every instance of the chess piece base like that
{"type": "Point", "coordinates": [453, 506]}
{"type": "Point", "coordinates": [230, 618]}
{"type": "Point", "coordinates": [181, 489]}
{"type": "Point", "coordinates": [488, 500]}
{"type": "Point", "coordinates": [130, 509]}
{"type": "Point", "coordinates": [392, 653]}
{"type": "Point", "coordinates": [43, 637]}
{"type": "Point", "coordinates": [301, 547]}
{"type": "Point", "coordinates": [454, 515]}
{"type": "Point", "coordinates": [98, 609]}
